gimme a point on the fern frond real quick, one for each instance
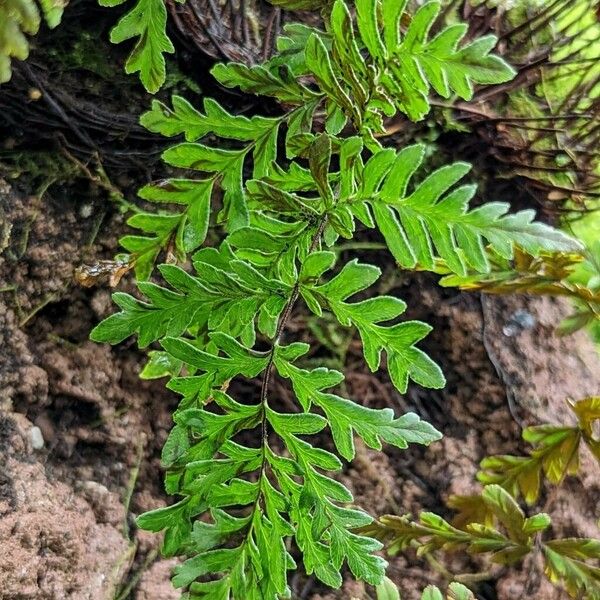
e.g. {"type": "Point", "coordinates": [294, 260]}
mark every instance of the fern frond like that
{"type": "Point", "coordinates": [406, 67]}
{"type": "Point", "coordinates": [403, 358]}
{"type": "Point", "coordinates": [226, 168]}
{"type": "Point", "coordinates": [574, 275]}
{"type": "Point", "coordinates": [147, 20]}
{"type": "Point", "coordinates": [265, 80]}
{"type": "Point", "coordinates": [440, 63]}
{"type": "Point", "coordinates": [204, 480]}
{"type": "Point", "coordinates": [227, 296]}
{"type": "Point", "coordinates": [555, 454]}
{"type": "Point", "coordinates": [432, 532]}
{"type": "Point", "coordinates": [493, 522]}
{"type": "Point", "coordinates": [345, 416]}
{"type": "Point", "coordinates": [435, 220]}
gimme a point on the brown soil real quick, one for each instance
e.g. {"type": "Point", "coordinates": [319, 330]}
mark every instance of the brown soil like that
{"type": "Point", "coordinates": [66, 528]}
{"type": "Point", "coordinates": [98, 422]}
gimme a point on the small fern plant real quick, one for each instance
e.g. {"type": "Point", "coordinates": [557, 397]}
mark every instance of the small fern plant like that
{"type": "Point", "coordinates": [491, 523]}
{"type": "Point", "coordinates": [256, 491]}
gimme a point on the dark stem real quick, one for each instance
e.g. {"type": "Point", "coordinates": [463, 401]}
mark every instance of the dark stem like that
{"type": "Point", "coordinates": [266, 380]}
{"type": "Point", "coordinates": [287, 311]}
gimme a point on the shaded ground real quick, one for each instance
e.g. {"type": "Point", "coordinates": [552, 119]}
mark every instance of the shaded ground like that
{"type": "Point", "coordinates": [66, 525]}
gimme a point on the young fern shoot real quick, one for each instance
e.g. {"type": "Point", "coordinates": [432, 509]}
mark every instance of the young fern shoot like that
{"type": "Point", "coordinates": [248, 479]}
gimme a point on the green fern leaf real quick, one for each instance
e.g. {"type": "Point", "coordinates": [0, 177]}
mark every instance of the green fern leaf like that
{"type": "Point", "coordinates": [230, 163]}
{"type": "Point", "coordinates": [249, 479]}
{"type": "Point", "coordinates": [405, 361]}
{"type": "Point", "coordinates": [345, 416]}
{"type": "Point", "coordinates": [190, 230]}
{"type": "Point", "coordinates": [147, 20]}
{"type": "Point", "coordinates": [185, 119]}
{"type": "Point", "coordinates": [262, 80]}
{"type": "Point", "coordinates": [566, 562]}
{"type": "Point", "coordinates": [407, 67]}
{"type": "Point", "coordinates": [225, 300]}
{"type": "Point", "coordinates": [439, 63]}
{"type": "Point", "coordinates": [195, 194]}
{"type": "Point", "coordinates": [433, 219]}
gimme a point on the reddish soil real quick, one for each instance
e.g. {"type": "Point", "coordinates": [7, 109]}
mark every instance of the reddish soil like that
{"type": "Point", "coordinates": [66, 528]}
